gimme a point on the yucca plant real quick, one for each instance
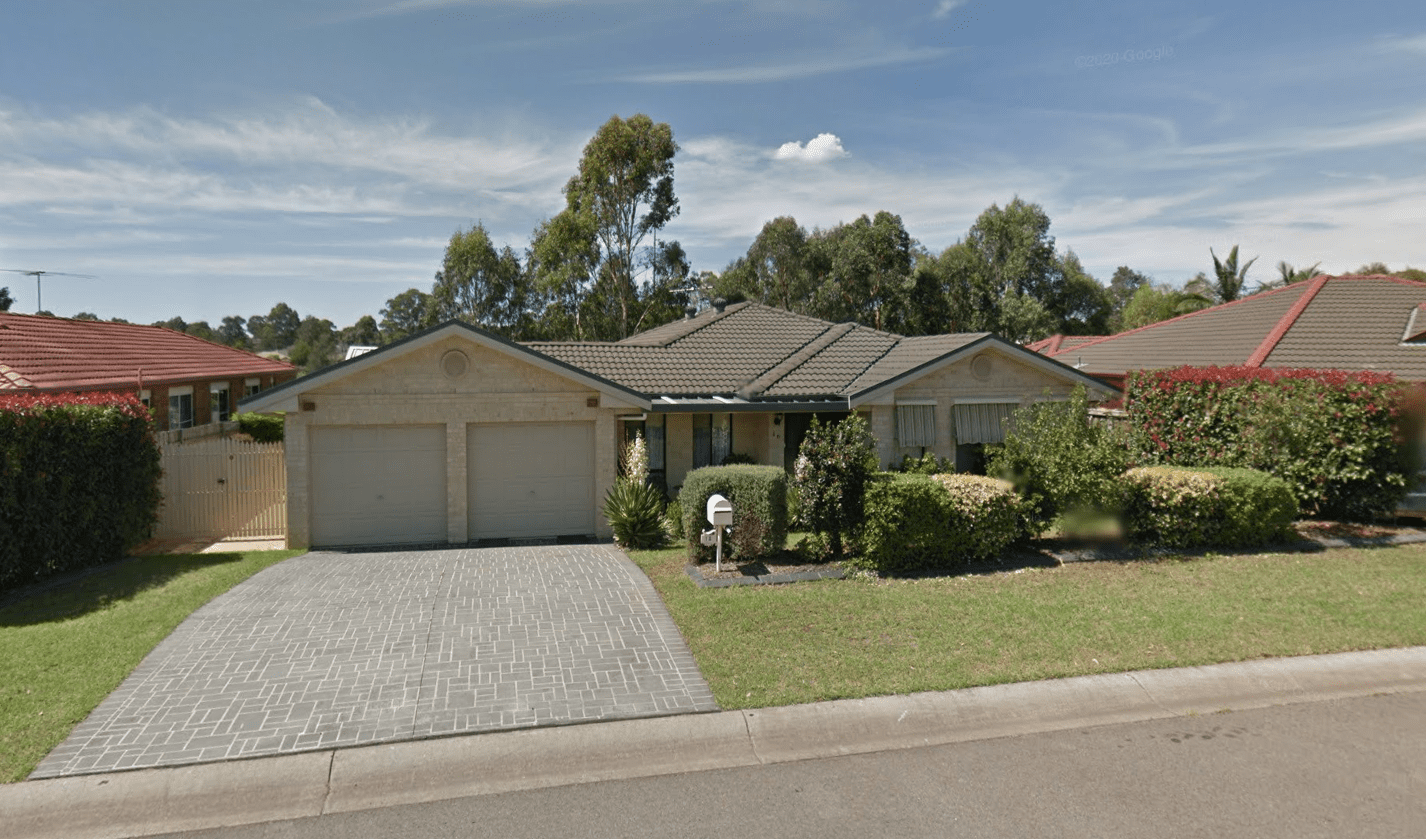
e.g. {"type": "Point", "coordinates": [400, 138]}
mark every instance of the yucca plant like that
{"type": "Point", "coordinates": [635, 512]}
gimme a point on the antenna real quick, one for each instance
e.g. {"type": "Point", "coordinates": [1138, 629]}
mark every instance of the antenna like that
{"type": "Point", "coordinates": [39, 296]}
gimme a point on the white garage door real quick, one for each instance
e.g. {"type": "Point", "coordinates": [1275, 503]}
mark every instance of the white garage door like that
{"type": "Point", "coordinates": [376, 485]}
{"type": "Point", "coordinates": [531, 479]}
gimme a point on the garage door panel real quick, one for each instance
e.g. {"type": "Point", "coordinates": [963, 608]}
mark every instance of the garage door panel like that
{"type": "Point", "coordinates": [531, 479]}
{"type": "Point", "coordinates": [376, 485]}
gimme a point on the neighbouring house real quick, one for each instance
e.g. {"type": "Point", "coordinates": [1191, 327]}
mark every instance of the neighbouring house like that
{"type": "Point", "coordinates": [1372, 323]}
{"type": "Point", "coordinates": [456, 434]}
{"type": "Point", "coordinates": [185, 381]}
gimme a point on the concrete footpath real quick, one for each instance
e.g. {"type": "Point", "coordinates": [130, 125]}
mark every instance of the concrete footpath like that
{"type": "Point", "coordinates": [151, 801]}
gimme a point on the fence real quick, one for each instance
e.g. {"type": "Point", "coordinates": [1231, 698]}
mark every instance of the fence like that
{"type": "Point", "coordinates": [223, 488]}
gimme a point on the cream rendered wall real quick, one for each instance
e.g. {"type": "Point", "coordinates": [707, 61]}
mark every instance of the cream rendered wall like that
{"type": "Point", "coordinates": [750, 436]}
{"type": "Point", "coordinates": [414, 389]}
{"type": "Point", "coordinates": [1007, 380]}
{"type": "Point", "coordinates": [678, 449]}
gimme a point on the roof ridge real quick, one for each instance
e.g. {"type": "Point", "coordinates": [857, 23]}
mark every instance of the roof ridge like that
{"type": "Point", "coordinates": [1270, 341]}
{"type": "Point", "coordinates": [779, 371]}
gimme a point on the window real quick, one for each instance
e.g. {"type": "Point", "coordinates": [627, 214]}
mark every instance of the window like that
{"type": "Point", "coordinates": [252, 386]}
{"type": "Point", "coordinates": [983, 422]}
{"type": "Point", "coordinates": [218, 408]}
{"type": "Point", "coordinates": [712, 439]}
{"type": "Point", "coordinates": [146, 397]}
{"type": "Point", "coordinates": [180, 407]}
{"type": "Point", "coordinates": [916, 425]}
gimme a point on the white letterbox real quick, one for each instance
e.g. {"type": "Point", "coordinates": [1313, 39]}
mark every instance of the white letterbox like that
{"type": "Point", "coordinates": [720, 511]}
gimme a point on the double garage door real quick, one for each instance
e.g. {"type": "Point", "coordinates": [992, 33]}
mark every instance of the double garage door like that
{"type": "Point", "coordinates": [374, 485]}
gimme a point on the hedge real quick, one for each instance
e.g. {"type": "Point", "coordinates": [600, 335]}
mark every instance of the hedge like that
{"type": "Point", "coordinates": [759, 498]}
{"type": "Point", "coordinates": [79, 482]}
{"type": "Point", "coordinates": [1338, 438]}
{"type": "Point", "coordinates": [1196, 507]}
{"type": "Point", "coordinates": [916, 522]}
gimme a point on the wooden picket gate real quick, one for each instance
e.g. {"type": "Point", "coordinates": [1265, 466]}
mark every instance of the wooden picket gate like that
{"type": "Point", "coordinates": [223, 488]}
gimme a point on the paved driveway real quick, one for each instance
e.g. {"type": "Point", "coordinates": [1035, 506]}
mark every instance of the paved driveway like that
{"type": "Point", "coordinates": [332, 649]}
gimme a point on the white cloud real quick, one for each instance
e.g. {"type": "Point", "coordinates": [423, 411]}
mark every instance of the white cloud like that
{"type": "Point", "coordinates": [1416, 44]}
{"type": "Point", "coordinates": [819, 149]}
{"type": "Point", "coordinates": [945, 7]}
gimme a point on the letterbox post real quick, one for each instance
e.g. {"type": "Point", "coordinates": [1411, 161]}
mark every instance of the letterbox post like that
{"type": "Point", "coordinates": [720, 515]}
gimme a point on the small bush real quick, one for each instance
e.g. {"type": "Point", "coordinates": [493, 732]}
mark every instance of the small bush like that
{"type": "Point", "coordinates": [1219, 506]}
{"type": "Point", "coordinates": [916, 522]}
{"type": "Point", "coordinates": [926, 464]}
{"type": "Point", "coordinates": [736, 459]}
{"type": "Point", "coordinates": [759, 498]}
{"type": "Point", "coordinates": [830, 478]}
{"type": "Point", "coordinates": [635, 512]}
{"type": "Point", "coordinates": [1059, 462]}
{"type": "Point", "coordinates": [263, 428]}
{"type": "Point", "coordinates": [673, 521]}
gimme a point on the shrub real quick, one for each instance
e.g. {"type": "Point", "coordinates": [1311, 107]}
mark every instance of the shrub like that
{"type": "Point", "coordinates": [759, 498]}
{"type": "Point", "coordinates": [1338, 438]}
{"type": "Point", "coordinates": [830, 478]}
{"type": "Point", "coordinates": [673, 521]}
{"type": "Point", "coordinates": [264, 428]}
{"type": "Point", "coordinates": [1180, 507]}
{"type": "Point", "coordinates": [79, 482]}
{"type": "Point", "coordinates": [736, 459]}
{"type": "Point", "coordinates": [916, 522]}
{"type": "Point", "coordinates": [635, 513]}
{"type": "Point", "coordinates": [1058, 461]}
{"type": "Point", "coordinates": [926, 464]}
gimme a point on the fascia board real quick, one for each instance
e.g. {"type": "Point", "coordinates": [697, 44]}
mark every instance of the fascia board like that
{"type": "Point", "coordinates": [287, 396]}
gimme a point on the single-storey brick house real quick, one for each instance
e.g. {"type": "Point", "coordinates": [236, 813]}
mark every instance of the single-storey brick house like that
{"type": "Point", "coordinates": [185, 381]}
{"type": "Point", "coordinates": [456, 434]}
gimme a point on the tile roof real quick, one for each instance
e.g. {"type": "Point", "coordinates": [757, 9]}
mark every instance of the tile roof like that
{"type": "Point", "coordinates": [57, 354]}
{"type": "Point", "coordinates": [1345, 323]}
{"type": "Point", "coordinates": [754, 351]}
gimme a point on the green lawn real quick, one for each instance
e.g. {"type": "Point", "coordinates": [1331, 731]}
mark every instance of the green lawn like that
{"type": "Point", "coordinates": [63, 651]}
{"type": "Point", "coordinates": [760, 646]}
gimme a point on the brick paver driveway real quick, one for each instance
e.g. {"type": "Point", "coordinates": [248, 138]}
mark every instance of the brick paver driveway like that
{"type": "Point", "coordinates": [333, 649]}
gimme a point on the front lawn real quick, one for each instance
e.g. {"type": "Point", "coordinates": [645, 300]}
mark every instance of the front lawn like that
{"type": "Point", "coordinates": [64, 650]}
{"type": "Point", "coordinates": [760, 646]}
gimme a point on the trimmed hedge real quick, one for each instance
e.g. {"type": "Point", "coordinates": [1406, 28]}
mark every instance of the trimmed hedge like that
{"type": "Point", "coordinates": [79, 482]}
{"type": "Point", "coordinates": [1194, 507]}
{"type": "Point", "coordinates": [1336, 437]}
{"type": "Point", "coordinates": [759, 498]}
{"type": "Point", "coordinates": [916, 522]}
{"type": "Point", "coordinates": [263, 428]}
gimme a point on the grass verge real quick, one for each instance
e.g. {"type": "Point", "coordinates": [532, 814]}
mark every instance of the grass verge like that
{"type": "Point", "coordinates": [761, 646]}
{"type": "Point", "coordinates": [63, 650]}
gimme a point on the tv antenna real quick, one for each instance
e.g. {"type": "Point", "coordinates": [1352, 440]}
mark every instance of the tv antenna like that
{"type": "Point", "coordinates": [39, 296]}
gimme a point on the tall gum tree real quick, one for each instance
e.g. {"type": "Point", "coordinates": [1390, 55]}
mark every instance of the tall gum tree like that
{"type": "Point", "coordinates": [591, 253]}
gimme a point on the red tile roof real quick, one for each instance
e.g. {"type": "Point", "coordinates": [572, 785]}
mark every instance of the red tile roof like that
{"type": "Point", "coordinates": [1342, 323]}
{"type": "Point", "coordinates": [47, 353]}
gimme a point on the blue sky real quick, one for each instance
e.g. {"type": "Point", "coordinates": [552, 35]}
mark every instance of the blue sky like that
{"type": "Point", "coordinates": [204, 159]}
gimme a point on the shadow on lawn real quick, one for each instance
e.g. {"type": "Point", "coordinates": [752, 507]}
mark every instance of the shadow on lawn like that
{"type": "Point", "coordinates": [93, 589]}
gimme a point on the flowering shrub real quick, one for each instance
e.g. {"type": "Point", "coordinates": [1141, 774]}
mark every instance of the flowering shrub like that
{"type": "Point", "coordinates": [79, 482]}
{"type": "Point", "coordinates": [1336, 437]}
{"type": "Point", "coordinates": [633, 507]}
{"type": "Point", "coordinates": [916, 521]}
{"type": "Point", "coordinates": [830, 477]}
{"type": "Point", "coordinates": [1180, 507]}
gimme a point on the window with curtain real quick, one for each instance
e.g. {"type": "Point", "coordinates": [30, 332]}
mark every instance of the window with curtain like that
{"type": "Point", "coordinates": [916, 425]}
{"type": "Point", "coordinates": [712, 439]}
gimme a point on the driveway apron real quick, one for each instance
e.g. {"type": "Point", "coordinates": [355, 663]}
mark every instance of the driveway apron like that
{"type": "Point", "coordinates": [341, 649]}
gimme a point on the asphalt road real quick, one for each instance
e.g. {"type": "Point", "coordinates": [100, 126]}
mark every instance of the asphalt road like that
{"type": "Point", "coordinates": [1335, 769]}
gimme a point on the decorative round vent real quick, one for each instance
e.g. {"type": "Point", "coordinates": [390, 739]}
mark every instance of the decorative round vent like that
{"type": "Point", "coordinates": [454, 364]}
{"type": "Point", "coordinates": [980, 366]}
